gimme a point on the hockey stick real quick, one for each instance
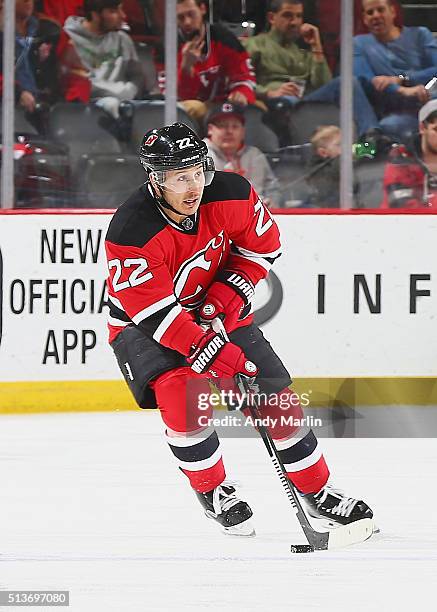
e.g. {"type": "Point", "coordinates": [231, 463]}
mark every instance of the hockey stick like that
{"type": "Point", "coordinates": [355, 532]}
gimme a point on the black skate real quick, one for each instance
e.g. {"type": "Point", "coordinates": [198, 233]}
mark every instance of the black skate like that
{"type": "Point", "coordinates": [223, 505]}
{"type": "Point", "coordinates": [333, 508]}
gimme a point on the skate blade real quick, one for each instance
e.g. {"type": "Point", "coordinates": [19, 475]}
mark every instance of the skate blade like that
{"type": "Point", "coordinates": [245, 530]}
{"type": "Point", "coordinates": [322, 524]}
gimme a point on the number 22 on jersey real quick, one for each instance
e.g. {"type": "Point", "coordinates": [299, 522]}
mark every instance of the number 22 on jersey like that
{"type": "Point", "coordinates": [138, 276]}
{"type": "Point", "coordinates": [262, 227]}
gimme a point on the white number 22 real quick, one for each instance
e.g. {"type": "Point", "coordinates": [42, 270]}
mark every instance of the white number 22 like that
{"type": "Point", "coordinates": [184, 143]}
{"type": "Point", "coordinates": [262, 227]}
{"type": "Point", "coordinates": [136, 277]}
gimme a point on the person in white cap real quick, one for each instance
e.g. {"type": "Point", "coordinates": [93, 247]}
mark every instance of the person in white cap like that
{"type": "Point", "coordinates": [410, 179]}
{"type": "Point", "coordinates": [225, 141]}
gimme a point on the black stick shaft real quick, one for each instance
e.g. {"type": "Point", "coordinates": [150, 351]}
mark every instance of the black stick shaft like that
{"type": "Point", "coordinates": [318, 540]}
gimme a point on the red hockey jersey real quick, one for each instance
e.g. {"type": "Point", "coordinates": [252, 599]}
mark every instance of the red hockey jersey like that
{"type": "Point", "coordinates": [226, 67]}
{"type": "Point", "coordinates": [407, 181]}
{"type": "Point", "coordinates": [159, 271]}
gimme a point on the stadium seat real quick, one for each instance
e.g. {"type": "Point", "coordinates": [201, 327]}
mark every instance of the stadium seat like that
{"type": "Point", "coordinates": [239, 12]}
{"type": "Point", "coordinates": [257, 133]}
{"type": "Point", "coordinates": [42, 177]}
{"type": "Point", "coordinates": [106, 180]}
{"type": "Point", "coordinates": [149, 114]}
{"type": "Point", "coordinates": [82, 128]}
{"type": "Point", "coordinates": [43, 180]}
{"type": "Point", "coordinates": [145, 56]}
{"type": "Point", "coordinates": [368, 175]}
{"type": "Point", "coordinates": [307, 116]}
{"type": "Point", "coordinates": [22, 124]}
{"type": "Point", "coordinates": [290, 169]}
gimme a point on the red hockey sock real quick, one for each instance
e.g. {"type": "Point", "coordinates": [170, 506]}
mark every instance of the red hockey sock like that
{"type": "Point", "coordinates": [195, 447]}
{"type": "Point", "coordinates": [297, 445]}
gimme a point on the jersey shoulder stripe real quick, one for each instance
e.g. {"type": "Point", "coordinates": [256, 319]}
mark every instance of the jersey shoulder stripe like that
{"type": "Point", "coordinates": [226, 186]}
{"type": "Point", "coordinates": [137, 220]}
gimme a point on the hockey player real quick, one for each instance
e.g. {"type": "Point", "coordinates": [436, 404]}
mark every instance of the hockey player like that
{"type": "Point", "coordinates": [193, 242]}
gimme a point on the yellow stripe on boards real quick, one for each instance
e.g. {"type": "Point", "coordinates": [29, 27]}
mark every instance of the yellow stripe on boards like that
{"type": "Point", "coordinates": [109, 395]}
{"type": "Point", "coordinates": [65, 396]}
{"type": "Point", "coordinates": [417, 391]}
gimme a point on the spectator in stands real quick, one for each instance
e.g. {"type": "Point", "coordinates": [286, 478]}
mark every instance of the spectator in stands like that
{"type": "Point", "coordinates": [410, 178]}
{"type": "Point", "coordinates": [36, 82]}
{"type": "Point", "coordinates": [394, 64]}
{"type": "Point", "coordinates": [324, 166]}
{"type": "Point", "coordinates": [226, 133]}
{"type": "Point", "coordinates": [328, 16]}
{"type": "Point", "coordinates": [324, 175]}
{"type": "Point", "coordinates": [287, 73]}
{"type": "Point", "coordinates": [212, 64]}
{"type": "Point", "coordinates": [73, 76]}
{"type": "Point", "coordinates": [107, 53]}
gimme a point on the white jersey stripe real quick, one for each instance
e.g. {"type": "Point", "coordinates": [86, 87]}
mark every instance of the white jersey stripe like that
{"type": "Point", "coordinates": [242, 251]}
{"type": "Point", "coordinates": [250, 84]}
{"type": "Point", "coordinates": [166, 322]}
{"type": "Point", "coordinates": [116, 302]}
{"type": "Point", "coordinates": [117, 322]}
{"type": "Point", "coordinates": [258, 260]}
{"type": "Point", "coordinates": [150, 310]}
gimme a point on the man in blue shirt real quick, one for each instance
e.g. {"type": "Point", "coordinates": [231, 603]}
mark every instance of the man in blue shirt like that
{"type": "Point", "coordinates": [394, 64]}
{"type": "Point", "coordinates": [287, 73]}
{"type": "Point", "coordinates": [36, 78]}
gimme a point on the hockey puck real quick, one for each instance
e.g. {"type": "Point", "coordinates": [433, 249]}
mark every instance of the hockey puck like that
{"type": "Point", "coordinates": [301, 548]}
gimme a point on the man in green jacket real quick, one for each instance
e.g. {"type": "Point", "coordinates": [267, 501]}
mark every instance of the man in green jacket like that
{"type": "Point", "coordinates": [286, 73]}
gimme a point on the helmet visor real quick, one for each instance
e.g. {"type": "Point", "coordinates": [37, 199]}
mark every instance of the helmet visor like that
{"type": "Point", "coordinates": [181, 181]}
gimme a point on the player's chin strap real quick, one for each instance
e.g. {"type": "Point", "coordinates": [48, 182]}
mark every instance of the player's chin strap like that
{"type": "Point", "coordinates": [161, 201]}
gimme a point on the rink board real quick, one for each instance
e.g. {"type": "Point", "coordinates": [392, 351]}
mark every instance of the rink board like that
{"type": "Point", "coordinates": [351, 310]}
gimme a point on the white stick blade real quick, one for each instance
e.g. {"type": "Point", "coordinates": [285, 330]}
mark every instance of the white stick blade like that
{"type": "Point", "coordinates": [356, 532]}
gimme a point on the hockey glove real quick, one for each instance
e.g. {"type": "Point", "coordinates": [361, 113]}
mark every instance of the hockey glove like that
{"type": "Point", "coordinates": [226, 298]}
{"type": "Point", "coordinates": [217, 357]}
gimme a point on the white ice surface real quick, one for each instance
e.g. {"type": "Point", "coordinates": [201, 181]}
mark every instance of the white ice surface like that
{"type": "Point", "coordinates": [93, 503]}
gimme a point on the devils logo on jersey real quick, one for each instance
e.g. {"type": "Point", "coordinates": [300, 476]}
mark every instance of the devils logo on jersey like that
{"type": "Point", "coordinates": [189, 282]}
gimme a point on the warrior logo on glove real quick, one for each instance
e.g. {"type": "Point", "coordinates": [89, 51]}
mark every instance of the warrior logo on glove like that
{"type": "Point", "coordinates": [217, 357]}
{"type": "Point", "coordinates": [206, 355]}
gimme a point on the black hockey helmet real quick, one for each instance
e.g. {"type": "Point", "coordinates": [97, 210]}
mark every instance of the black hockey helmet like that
{"type": "Point", "coordinates": [174, 147]}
